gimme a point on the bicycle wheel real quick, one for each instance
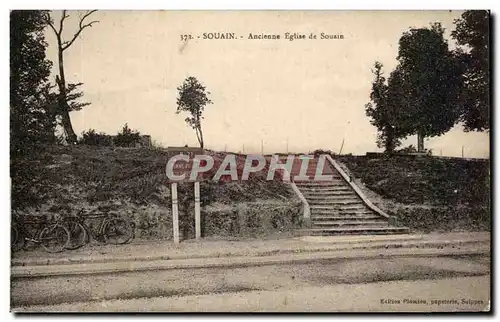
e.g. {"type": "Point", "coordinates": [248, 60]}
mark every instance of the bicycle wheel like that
{"type": "Point", "coordinates": [54, 238]}
{"type": "Point", "coordinates": [78, 235]}
{"type": "Point", "coordinates": [118, 231]}
{"type": "Point", "coordinates": [16, 239]}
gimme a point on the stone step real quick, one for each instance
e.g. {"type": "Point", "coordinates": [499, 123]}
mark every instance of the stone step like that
{"type": "Point", "coordinates": [339, 201]}
{"type": "Point", "coordinates": [331, 194]}
{"type": "Point", "coordinates": [337, 196]}
{"type": "Point", "coordinates": [313, 183]}
{"type": "Point", "coordinates": [333, 217]}
{"type": "Point", "coordinates": [332, 191]}
{"type": "Point", "coordinates": [343, 200]}
{"type": "Point", "coordinates": [335, 203]}
{"type": "Point", "coordinates": [336, 207]}
{"type": "Point", "coordinates": [326, 188]}
{"type": "Point", "coordinates": [322, 213]}
{"type": "Point", "coordinates": [337, 216]}
{"type": "Point", "coordinates": [349, 223]}
{"type": "Point", "coordinates": [319, 184]}
{"type": "Point", "coordinates": [339, 204]}
{"type": "Point", "coordinates": [356, 231]}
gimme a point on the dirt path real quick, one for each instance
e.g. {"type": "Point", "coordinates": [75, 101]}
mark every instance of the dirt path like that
{"type": "Point", "coordinates": [187, 282]}
{"type": "Point", "coordinates": [222, 248]}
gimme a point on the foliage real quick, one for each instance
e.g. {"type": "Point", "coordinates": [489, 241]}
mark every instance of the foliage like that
{"type": "Point", "coordinates": [412, 149]}
{"type": "Point", "coordinates": [319, 152]}
{"type": "Point", "coordinates": [472, 34]}
{"type": "Point", "coordinates": [382, 111]}
{"type": "Point", "coordinates": [422, 95]}
{"type": "Point", "coordinates": [193, 98]}
{"type": "Point", "coordinates": [91, 137]}
{"type": "Point", "coordinates": [73, 95]}
{"type": "Point", "coordinates": [408, 149]}
{"type": "Point", "coordinates": [157, 146]}
{"type": "Point", "coordinates": [431, 78]}
{"type": "Point", "coordinates": [32, 118]}
{"type": "Point", "coordinates": [32, 104]}
{"type": "Point", "coordinates": [127, 137]}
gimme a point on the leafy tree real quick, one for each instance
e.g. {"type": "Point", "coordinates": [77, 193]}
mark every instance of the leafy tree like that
{"type": "Point", "coordinates": [62, 45]}
{"type": "Point", "coordinates": [382, 112]}
{"type": "Point", "coordinates": [431, 80]}
{"type": "Point", "coordinates": [193, 98]}
{"type": "Point", "coordinates": [32, 103]}
{"type": "Point", "coordinates": [472, 34]}
{"type": "Point", "coordinates": [127, 137]}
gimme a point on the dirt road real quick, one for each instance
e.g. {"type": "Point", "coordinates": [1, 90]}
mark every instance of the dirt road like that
{"type": "Point", "coordinates": [467, 293]}
{"type": "Point", "coordinates": [325, 286]}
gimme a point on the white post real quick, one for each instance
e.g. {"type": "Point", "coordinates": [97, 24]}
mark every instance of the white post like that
{"type": "Point", "coordinates": [175, 212]}
{"type": "Point", "coordinates": [197, 213]}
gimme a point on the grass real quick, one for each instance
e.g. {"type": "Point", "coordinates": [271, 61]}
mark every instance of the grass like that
{"type": "Point", "coordinates": [67, 179]}
{"type": "Point", "coordinates": [424, 180]}
{"type": "Point", "coordinates": [428, 193]}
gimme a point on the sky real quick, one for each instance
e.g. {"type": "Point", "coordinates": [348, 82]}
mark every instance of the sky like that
{"type": "Point", "coordinates": [287, 96]}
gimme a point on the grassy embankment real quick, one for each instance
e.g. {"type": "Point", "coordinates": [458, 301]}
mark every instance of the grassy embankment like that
{"type": "Point", "coordinates": [133, 182]}
{"type": "Point", "coordinates": [427, 193]}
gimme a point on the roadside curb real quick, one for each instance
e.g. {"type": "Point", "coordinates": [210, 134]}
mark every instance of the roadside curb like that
{"type": "Point", "coordinates": [343, 246]}
{"type": "Point", "coordinates": [235, 262]}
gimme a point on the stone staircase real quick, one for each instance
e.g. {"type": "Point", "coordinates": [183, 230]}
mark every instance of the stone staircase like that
{"type": "Point", "coordinates": [336, 209]}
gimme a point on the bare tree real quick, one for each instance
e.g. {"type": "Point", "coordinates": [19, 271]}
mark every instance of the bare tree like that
{"type": "Point", "coordinates": [62, 45]}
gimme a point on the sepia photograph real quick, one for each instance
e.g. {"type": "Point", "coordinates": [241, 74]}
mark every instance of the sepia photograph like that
{"type": "Point", "coordinates": [236, 161]}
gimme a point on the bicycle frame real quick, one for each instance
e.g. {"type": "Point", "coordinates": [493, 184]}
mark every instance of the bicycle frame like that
{"type": "Point", "coordinates": [32, 236]}
{"type": "Point", "coordinates": [103, 217]}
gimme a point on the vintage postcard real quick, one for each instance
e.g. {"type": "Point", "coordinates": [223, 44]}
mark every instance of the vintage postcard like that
{"type": "Point", "coordinates": [250, 161]}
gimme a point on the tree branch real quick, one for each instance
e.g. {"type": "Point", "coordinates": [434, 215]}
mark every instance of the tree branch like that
{"type": "Point", "coordinates": [51, 24]}
{"type": "Point", "coordinates": [61, 23]}
{"type": "Point", "coordinates": [81, 26]}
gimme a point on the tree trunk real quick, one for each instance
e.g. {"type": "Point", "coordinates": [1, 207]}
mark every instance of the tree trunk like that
{"type": "Point", "coordinates": [420, 141]}
{"type": "Point", "coordinates": [390, 140]}
{"type": "Point", "coordinates": [201, 137]}
{"type": "Point", "coordinates": [63, 103]}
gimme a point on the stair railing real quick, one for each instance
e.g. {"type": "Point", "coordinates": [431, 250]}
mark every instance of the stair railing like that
{"type": "Point", "coordinates": [356, 188]}
{"type": "Point", "coordinates": [306, 209]}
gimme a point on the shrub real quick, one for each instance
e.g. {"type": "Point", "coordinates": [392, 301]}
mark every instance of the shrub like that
{"type": "Point", "coordinates": [91, 137]}
{"type": "Point", "coordinates": [127, 137]}
{"type": "Point", "coordinates": [318, 152]}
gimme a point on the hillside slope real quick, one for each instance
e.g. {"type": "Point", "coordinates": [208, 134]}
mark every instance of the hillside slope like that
{"type": "Point", "coordinates": [427, 193]}
{"type": "Point", "coordinates": [132, 181]}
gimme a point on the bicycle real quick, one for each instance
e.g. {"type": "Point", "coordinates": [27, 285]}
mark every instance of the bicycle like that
{"type": "Point", "coordinates": [112, 228]}
{"type": "Point", "coordinates": [53, 236]}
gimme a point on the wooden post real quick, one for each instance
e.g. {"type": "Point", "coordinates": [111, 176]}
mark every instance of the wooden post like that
{"type": "Point", "coordinates": [175, 212]}
{"type": "Point", "coordinates": [197, 212]}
